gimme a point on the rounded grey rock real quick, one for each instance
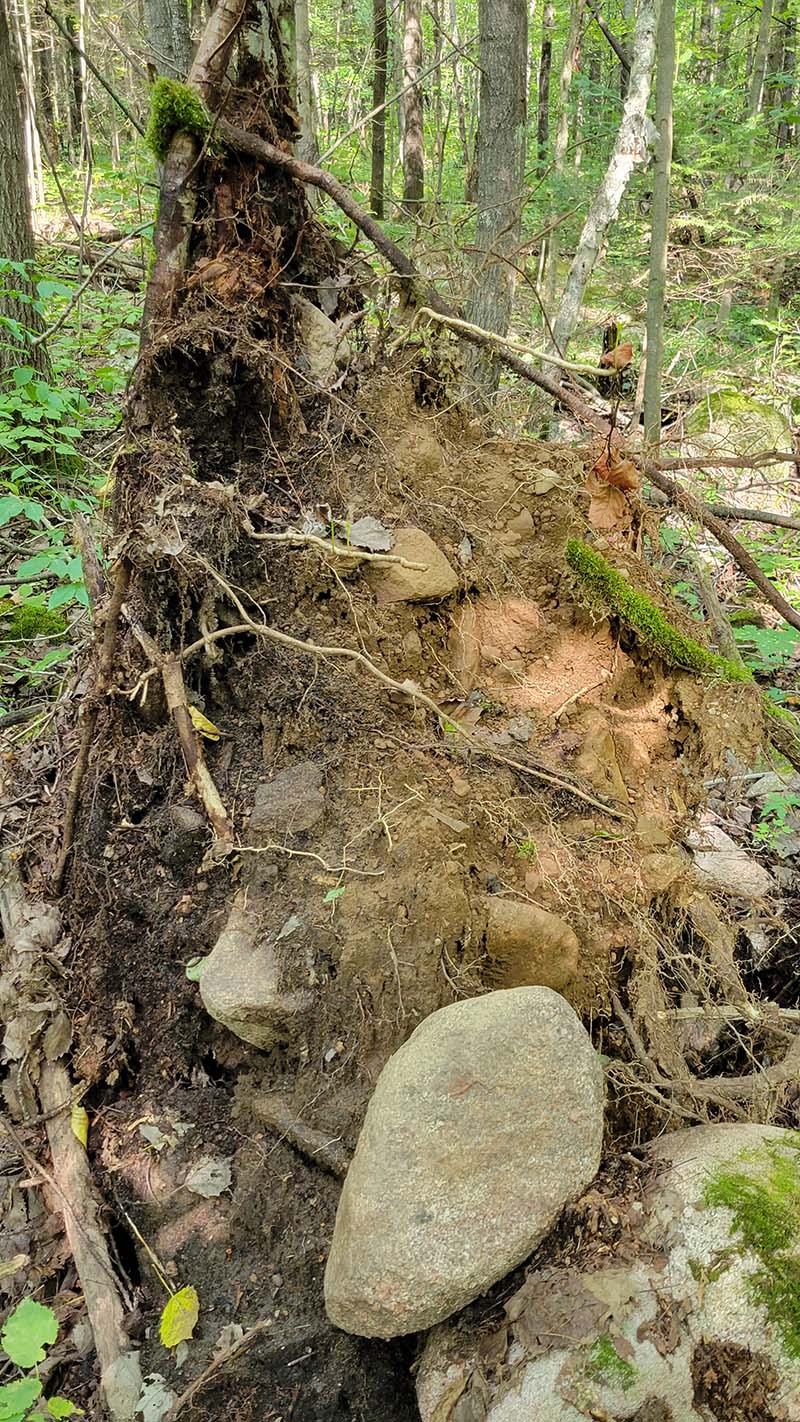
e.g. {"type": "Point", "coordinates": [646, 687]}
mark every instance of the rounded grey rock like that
{"type": "Point", "coordinates": [484, 1124]}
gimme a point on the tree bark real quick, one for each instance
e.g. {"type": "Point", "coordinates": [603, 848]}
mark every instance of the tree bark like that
{"type": "Point", "coordinates": [470, 176]}
{"type": "Point", "coordinates": [503, 28]}
{"type": "Point", "coordinates": [543, 105]}
{"type": "Point", "coordinates": [413, 139]}
{"type": "Point", "coordinates": [630, 148]}
{"type": "Point", "coordinates": [786, 125]}
{"type": "Point", "coordinates": [568, 64]}
{"type": "Point", "coordinates": [659, 230]}
{"type": "Point", "coordinates": [380, 40]}
{"type": "Point", "coordinates": [307, 143]}
{"type": "Point", "coordinates": [169, 37]}
{"type": "Point", "coordinates": [760, 60]}
{"type": "Point", "coordinates": [17, 315]}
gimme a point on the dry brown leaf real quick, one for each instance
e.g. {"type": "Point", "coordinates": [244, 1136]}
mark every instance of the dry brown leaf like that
{"type": "Point", "coordinates": [608, 508]}
{"type": "Point", "coordinates": [619, 357]}
{"type": "Point", "coordinates": [616, 470]}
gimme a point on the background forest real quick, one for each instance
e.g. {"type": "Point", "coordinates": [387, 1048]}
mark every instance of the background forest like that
{"type": "Point", "coordinates": [399, 647]}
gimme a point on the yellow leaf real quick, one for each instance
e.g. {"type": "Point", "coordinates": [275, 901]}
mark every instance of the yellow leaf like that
{"type": "Point", "coordinates": [179, 1316]}
{"type": "Point", "coordinates": [202, 724]}
{"type": "Point", "coordinates": [79, 1120]}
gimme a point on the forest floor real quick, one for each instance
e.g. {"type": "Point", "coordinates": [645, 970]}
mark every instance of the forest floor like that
{"type": "Point", "coordinates": [380, 883]}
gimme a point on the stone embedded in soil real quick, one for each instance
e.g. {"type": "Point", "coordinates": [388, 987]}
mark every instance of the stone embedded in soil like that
{"type": "Point", "coordinates": [721, 864]}
{"type": "Point", "coordinates": [241, 980]}
{"type": "Point", "coordinates": [529, 947]}
{"type": "Point", "coordinates": [292, 801]}
{"type": "Point", "coordinates": [434, 580]}
{"type": "Point", "coordinates": [320, 340]}
{"type": "Point", "coordinates": [597, 760]}
{"type": "Point", "coordinates": [484, 1124]}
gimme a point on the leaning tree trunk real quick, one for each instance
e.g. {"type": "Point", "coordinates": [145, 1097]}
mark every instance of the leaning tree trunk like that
{"type": "Point", "coordinates": [659, 232]}
{"type": "Point", "coordinates": [17, 314]}
{"type": "Point", "coordinates": [630, 148]}
{"type": "Point", "coordinates": [503, 27]}
{"type": "Point", "coordinates": [380, 40]}
{"type": "Point", "coordinates": [413, 139]}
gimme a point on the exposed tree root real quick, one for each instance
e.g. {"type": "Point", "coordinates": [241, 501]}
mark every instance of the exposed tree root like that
{"type": "Point", "coordinates": [271, 1110]}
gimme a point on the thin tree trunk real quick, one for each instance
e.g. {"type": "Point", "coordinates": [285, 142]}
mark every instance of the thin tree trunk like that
{"type": "Point", "coordinates": [380, 40]}
{"type": "Point", "coordinates": [48, 91]}
{"type": "Point", "coordinates": [568, 63]}
{"type": "Point", "coordinates": [503, 29]}
{"type": "Point", "coordinates": [786, 127]}
{"type": "Point", "coordinates": [545, 63]}
{"type": "Point", "coordinates": [775, 56]}
{"type": "Point", "coordinates": [470, 176]}
{"type": "Point", "coordinates": [413, 139]}
{"type": "Point", "coordinates": [659, 231]}
{"type": "Point", "coordinates": [16, 233]}
{"type": "Point", "coordinates": [760, 60]}
{"type": "Point", "coordinates": [169, 37]}
{"type": "Point", "coordinates": [307, 143]}
{"type": "Point", "coordinates": [630, 148]}
{"type": "Point", "coordinates": [21, 20]}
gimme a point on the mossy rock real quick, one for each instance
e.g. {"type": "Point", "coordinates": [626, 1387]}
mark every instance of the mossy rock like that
{"type": "Point", "coordinates": [732, 423]}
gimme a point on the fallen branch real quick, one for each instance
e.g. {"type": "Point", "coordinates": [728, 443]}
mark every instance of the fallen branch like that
{"type": "Point", "coordinates": [220, 1361]}
{"type": "Point", "coordinates": [465, 328]}
{"type": "Point", "coordinates": [76, 296]}
{"type": "Point", "coordinates": [728, 461]}
{"type": "Point", "coordinates": [745, 515]}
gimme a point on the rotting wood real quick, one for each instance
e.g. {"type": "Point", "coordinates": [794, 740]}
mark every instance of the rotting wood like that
{"type": "Point", "coordinates": [120, 1373]}
{"type": "Point", "coordinates": [199, 774]}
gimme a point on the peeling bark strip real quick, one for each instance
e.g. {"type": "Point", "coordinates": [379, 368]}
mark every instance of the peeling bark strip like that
{"type": "Point", "coordinates": [630, 148]}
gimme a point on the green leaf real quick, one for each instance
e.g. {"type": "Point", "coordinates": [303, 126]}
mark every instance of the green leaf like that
{"type": "Point", "coordinates": [39, 563]}
{"type": "Point", "coordinates": [179, 1316]}
{"type": "Point", "coordinates": [63, 596]}
{"type": "Point", "coordinates": [10, 506]}
{"type": "Point", "coordinates": [334, 894]}
{"type": "Point", "coordinates": [60, 1407]}
{"type": "Point", "coordinates": [33, 511]}
{"type": "Point", "coordinates": [194, 968]}
{"type": "Point", "coordinates": [16, 1398]}
{"type": "Point", "coordinates": [23, 374]}
{"type": "Point", "coordinates": [28, 1329]}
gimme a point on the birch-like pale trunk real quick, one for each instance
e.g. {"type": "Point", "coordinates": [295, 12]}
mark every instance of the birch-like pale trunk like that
{"type": "Point", "coordinates": [760, 60]}
{"type": "Point", "coordinates": [307, 142]}
{"type": "Point", "coordinates": [630, 148]}
{"type": "Point", "coordinates": [659, 231]}
{"type": "Point", "coordinates": [568, 63]}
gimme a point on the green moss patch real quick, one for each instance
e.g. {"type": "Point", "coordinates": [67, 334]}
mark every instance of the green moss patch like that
{"type": "Point", "coordinates": [642, 615]}
{"type": "Point", "coordinates": [766, 1217]}
{"type": "Point", "coordinates": [31, 620]}
{"type": "Point", "coordinates": [607, 1367]}
{"type": "Point", "coordinates": [174, 107]}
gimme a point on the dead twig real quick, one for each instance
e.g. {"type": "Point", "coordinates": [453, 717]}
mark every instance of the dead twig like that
{"type": "Point", "coordinates": [465, 328]}
{"type": "Point", "coordinates": [294, 537]}
{"type": "Point", "coordinates": [199, 774]}
{"type": "Point", "coordinates": [222, 1359]}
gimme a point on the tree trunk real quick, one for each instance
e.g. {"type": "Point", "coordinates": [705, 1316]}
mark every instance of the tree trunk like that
{"type": "Point", "coordinates": [380, 40]}
{"type": "Point", "coordinates": [630, 148]}
{"type": "Point", "coordinates": [760, 60]}
{"type": "Point", "coordinates": [470, 176]}
{"type": "Point", "coordinates": [775, 55]}
{"type": "Point", "coordinates": [307, 143]}
{"type": "Point", "coordinates": [659, 230]}
{"type": "Point", "coordinates": [568, 63]}
{"type": "Point", "coordinates": [413, 140]}
{"type": "Point", "coordinates": [169, 37]}
{"type": "Point", "coordinates": [17, 315]}
{"type": "Point", "coordinates": [545, 63]}
{"type": "Point", "coordinates": [48, 92]}
{"type": "Point", "coordinates": [786, 124]}
{"type": "Point", "coordinates": [503, 29]}
{"type": "Point", "coordinates": [21, 18]}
